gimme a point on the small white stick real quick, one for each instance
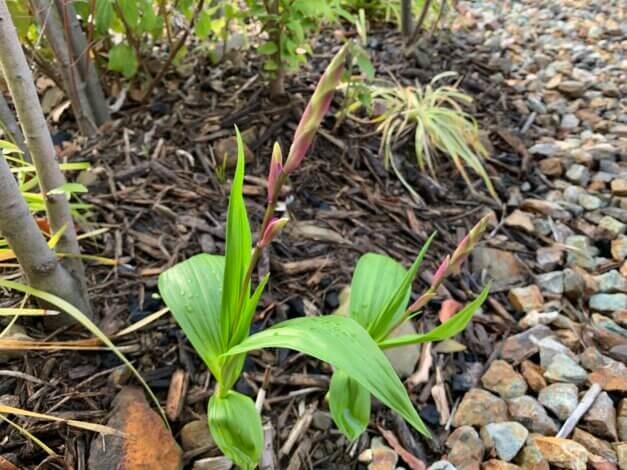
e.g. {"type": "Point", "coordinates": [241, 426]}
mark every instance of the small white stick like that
{"type": "Point", "coordinates": [581, 409]}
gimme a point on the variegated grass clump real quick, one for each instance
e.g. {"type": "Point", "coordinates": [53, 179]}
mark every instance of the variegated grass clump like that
{"type": "Point", "coordinates": [436, 116]}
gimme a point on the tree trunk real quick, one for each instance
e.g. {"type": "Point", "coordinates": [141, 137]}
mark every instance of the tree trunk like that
{"type": "Point", "coordinates": [406, 18]}
{"type": "Point", "coordinates": [39, 264]}
{"type": "Point", "coordinates": [86, 68]}
{"type": "Point", "coordinates": [74, 86]}
{"type": "Point", "coordinates": [20, 81]}
{"type": "Point", "coordinates": [10, 128]}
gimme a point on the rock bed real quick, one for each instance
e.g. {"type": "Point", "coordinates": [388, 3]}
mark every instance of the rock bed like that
{"type": "Point", "coordinates": [565, 62]}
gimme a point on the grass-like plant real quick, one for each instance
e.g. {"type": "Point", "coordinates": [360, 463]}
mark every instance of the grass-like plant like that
{"type": "Point", "coordinates": [212, 299]}
{"type": "Point", "coordinates": [380, 291]}
{"type": "Point", "coordinates": [437, 118]}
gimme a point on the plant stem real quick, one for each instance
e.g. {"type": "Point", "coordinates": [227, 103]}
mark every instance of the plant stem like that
{"type": "Point", "coordinates": [173, 52]}
{"type": "Point", "coordinates": [421, 19]}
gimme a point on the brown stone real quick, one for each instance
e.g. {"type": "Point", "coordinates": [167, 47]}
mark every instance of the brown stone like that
{"type": "Point", "coordinates": [499, 265]}
{"type": "Point", "coordinates": [551, 166]}
{"type": "Point", "coordinates": [195, 435]}
{"type": "Point", "coordinates": [525, 299]}
{"type": "Point", "coordinates": [531, 414]}
{"type": "Point", "coordinates": [562, 453]}
{"type": "Point", "coordinates": [599, 463]}
{"type": "Point", "coordinates": [600, 419]}
{"type": "Point", "coordinates": [594, 445]}
{"type": "Point", "coordinates": [504, 380]}
{"type": "Point", "coordinates": [227, 148]}
{"type": "Point", "coordinates": [466, 448]}
{"type": "Point", "coordinates": [149, 443]}
{"type": "Point", "coordinates": [521, 220]}
{"type": "Point", "coordinates": [612, 377]}
{"type": "Point", "coordinates": [533, 375]}
{"type": "Point", "coordinates": [479, 408]}
{"type": "Point", "coordinates": [622, 420]}
{"type": "Point", "coordinates": [619, 248]}
{"type": "Point", "coordinates": [519, 347]}
{"type": "Point", "coordinates": [619, 187]}
{"type": "Point", "coordinates": [495, 464]}
{"type": "Point", "coordinates": [530, 458]}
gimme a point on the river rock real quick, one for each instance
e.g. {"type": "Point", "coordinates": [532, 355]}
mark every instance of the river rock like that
{"type": "Point", "coordinates": [595, 445]}
{"type": "Point", "coordinates": [505, 438]}
{"type": "Point", "coordinates": [600, 419]}
{"type": "Point", "coordinates": [564, 369]}
{"type": "Point", "coordinates": [527, 411]}
{"type": "Point", "coordinates": [560, 398]}
{"type": "Point", "coordinates": [533, 374]}
{"type": "Point", "coordinates": [479, 408]}
{"type": "Point", "coordinates": [504, 380]}
{"type": "Point", "coordinates": [608, 302]}
{"type": "Point", "coordinates": [525, 299]}
{"type": "Point", "coordinates": [520, 346]}
{"type": "Point", "coordinates": [466, 448]}
{"type": "Point", "coordinates": [500, 266]}
{"type": "Point", "coordinates": [562, 453]}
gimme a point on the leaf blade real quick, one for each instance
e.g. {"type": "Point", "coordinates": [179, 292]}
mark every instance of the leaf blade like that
{"type": "Point", "coordinates": [349, 403]}
{"type": "Point", "coordinates": [342, 342]}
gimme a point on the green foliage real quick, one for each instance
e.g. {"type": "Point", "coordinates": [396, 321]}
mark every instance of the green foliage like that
{"type": "Point", "coordinates": [380, 291]}
{"type": "Point", "coordinates": [28, 184]}
{"type": "Point", "coordinates": [440, 125]}
{"type": "Point", "coordinates": [390, 11]}
{"type": "Point", "coordinates": [349, 403]}
{"type": "Point", "coordinates": [236, 427]}
{"type": "Point", "coordinates": [288, 24]}
{"type": "Point", "coordinates": [342, 342]}
{"type": "Point", "coordinates": [210, 299]}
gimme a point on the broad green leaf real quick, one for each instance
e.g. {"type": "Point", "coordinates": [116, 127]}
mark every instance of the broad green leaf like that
{"type": "Point", "coordinates": [365, 65]}
{"type": "Point", "coordinates": [345, 344]}
{"type": "Point", "coordinates": [192, 291]}
{"type": "Point", "coordinates": [130, 11]}
{"type": "Point", "coordinates": [267, 48]}
{"type": "Point", "coordinates": [122, 59]}
{"type": "Point", "coordinates": [350, 404]}
{"type": "Point", "coordinates": [236, 427]}
{"type": "Point", "coordinates": [393, 312]}
{"type": "Point", "coordinates": [375, 281]}
{"type": "Point", "coordinates": [89, 325]}
{"type": "Point", "coordinates": [446, 330]}
{"type": "Point", "coordinates": [104, 16]}
{"type": "Point", "coordinates": [238, 250]}
{"type": "Point", "coordinates": [203, 24]}
{"type": "Point", "coordinates": [270, 65]}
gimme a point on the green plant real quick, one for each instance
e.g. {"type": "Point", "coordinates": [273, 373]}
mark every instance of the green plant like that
{"type": "Point", "coordinates": [28, 185]}
{"type": "Point", "coordinates": [288, 24]}
{"type": "Point", "coordinates": [210, 298]}
{"type": "Point", "coordinates": [380, 291]}
{"type": "Point", "coordinates": [439, 123]}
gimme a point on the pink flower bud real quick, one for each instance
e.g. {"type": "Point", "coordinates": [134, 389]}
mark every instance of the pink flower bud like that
{"type": "Point", "coordinates": [421, 302]}
{"type": "Point", "coordinates": [441, 273]}
{"type": "Point", "coordinates": [316, 109]}
{"type": "Point", "coordinates": [276, 167]}
{"type": "Point", "coordinates": [272, 230]}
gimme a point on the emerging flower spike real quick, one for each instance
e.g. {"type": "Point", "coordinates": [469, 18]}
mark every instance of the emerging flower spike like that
{"type": "Point", "coordinates": [467, 244]}
{"type": "Point", "coordinates": [276, 167]}
{"type": "Point", "coordinates": [271, 231]}
{"type": "Point", "coordinates": [440, 274]}
{"type": "Point", "coordinates": [316, 109]}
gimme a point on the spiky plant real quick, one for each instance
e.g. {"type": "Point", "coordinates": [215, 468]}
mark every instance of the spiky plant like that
{"type": "Point", "coordinates": [440, 125]}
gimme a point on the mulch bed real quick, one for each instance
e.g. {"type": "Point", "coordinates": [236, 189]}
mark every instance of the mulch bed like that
{"type": "Point", "coordinates": [158, 193]}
